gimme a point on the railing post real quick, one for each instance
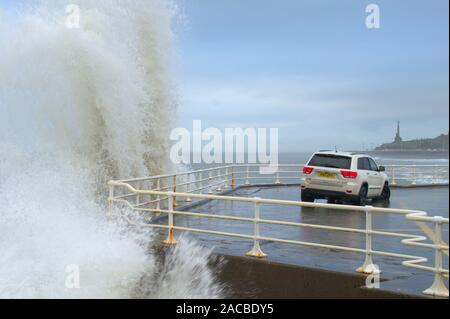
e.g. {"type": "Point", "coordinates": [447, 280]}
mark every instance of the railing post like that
{"type": "Point", "coordinates": [171, 236]}
{"type": "Point", "coordinates": [209, 183]}
{"type": "Point", "coordinates": [247, 178]}
{"type": "Point", "coordinates": [227, 178]}
{"type": "Point", "coordinates": [138, 196]}
{"type": "Point", "coordinates": [435, 175]}
{"type": "Point", "coordinates": [438, 288]}
{"type": "Point", "coordinates": [219, 179]}
{"type": "Point", "coordinates": [233, 180]}
{"type": "Point", "coordinates": [256, 251]}
{"type": "Point", "coordinates": [188, 188]}
{"type": "Point", "coordinates": [110, 201]}
{"type": "Point", "coordinates": [414, 176]}
{"type": "Point", "coordinates": [158, 197]}
{"type": "Point", "coordinates": [277, 179]}
{"type": "Point", "coordinates": [394, 182]}
{"type": "Point", "coordinates": [200, 178]}
{"type": "Point", "coordinates": [174, 188]}
{"type": "Point", "coordinates": [369, 268]}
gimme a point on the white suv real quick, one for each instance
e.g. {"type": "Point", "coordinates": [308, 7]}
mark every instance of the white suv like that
{"type": "Point", "coordinates": [344, 176]}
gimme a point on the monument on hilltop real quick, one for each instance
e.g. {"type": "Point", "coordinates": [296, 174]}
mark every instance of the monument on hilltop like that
{"type": "Point", "coordinates": [439, 143]}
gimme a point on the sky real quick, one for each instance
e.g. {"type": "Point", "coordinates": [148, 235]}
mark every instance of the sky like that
{"type": "Point", "coordinates": [314, 70]}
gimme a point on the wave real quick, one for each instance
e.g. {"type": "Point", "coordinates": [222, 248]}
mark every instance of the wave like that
{"type": "Point", "coordinates": [79, 107]}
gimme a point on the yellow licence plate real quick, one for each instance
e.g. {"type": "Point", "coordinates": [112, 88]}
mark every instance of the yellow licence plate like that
{"type": "Point", "coordinates": [326, 175]}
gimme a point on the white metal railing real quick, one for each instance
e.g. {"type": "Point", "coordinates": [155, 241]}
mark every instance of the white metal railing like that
{"type": "Point", "coordinates": [415, 175]}
{"type": "Point", "coordinates": [163, 194]}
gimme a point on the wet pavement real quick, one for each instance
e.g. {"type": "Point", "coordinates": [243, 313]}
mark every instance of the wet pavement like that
{"type": "Point", "coordinates": [434, 200]}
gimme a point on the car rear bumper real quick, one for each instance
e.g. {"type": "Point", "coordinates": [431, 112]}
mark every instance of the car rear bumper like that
{"type": "Point", "coordinates": [327, 194]}
{"type": "Point", "coordinates": [348, 189]}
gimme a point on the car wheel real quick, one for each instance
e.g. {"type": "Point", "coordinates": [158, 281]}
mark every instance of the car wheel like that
{"type": "Point", "coordinates": [386, 193]}
{"type": "Point", "coordinates": [361, 200]}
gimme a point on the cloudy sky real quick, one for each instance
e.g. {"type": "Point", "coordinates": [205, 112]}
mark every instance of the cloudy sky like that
{"type": "Point", "coordinates": [313, 69]}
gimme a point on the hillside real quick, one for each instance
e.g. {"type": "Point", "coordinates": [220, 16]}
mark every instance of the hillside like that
{"type": "Point", "coordinates": [438, 143]}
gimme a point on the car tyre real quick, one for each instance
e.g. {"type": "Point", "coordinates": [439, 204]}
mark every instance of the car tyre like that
{"type": "Point", "coordinates": [307, 198]}
{"type": "Point", "coordinates": [386, 193]}
{"type": "Point", "coordinates": [361, 200]}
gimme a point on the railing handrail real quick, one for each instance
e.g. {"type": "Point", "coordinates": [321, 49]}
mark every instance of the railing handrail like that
{"type": "Point", "coordinates": [231, 166]}
{"type": "Point", "coordinates": [416, 165]}
{"type": "Point", "coordinates": [416, 214]}
{"type": "Point", "coordinates": [140, 179]}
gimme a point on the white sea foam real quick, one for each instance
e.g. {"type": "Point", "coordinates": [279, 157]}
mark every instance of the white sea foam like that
{"type": "Point", "coordinates": [78, 107]}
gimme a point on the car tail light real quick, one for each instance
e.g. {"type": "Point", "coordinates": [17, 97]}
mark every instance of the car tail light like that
{"type": "Point", "coordinates": [307, 170]}
{"type": "Point", "coordinates": [349, 174]}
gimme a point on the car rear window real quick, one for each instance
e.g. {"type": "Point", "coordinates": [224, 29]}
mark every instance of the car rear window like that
{"type": "Point", "coordinates": [333, 161]}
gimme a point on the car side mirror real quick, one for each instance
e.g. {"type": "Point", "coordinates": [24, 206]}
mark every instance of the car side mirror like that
{"type": "Point", "coordinates": [382, 169]}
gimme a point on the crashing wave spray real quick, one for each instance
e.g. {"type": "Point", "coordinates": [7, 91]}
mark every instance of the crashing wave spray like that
{"type": "Point", "coordinates": [105, 86]}
{"type": "Point", "coordinates": [77, 108]}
